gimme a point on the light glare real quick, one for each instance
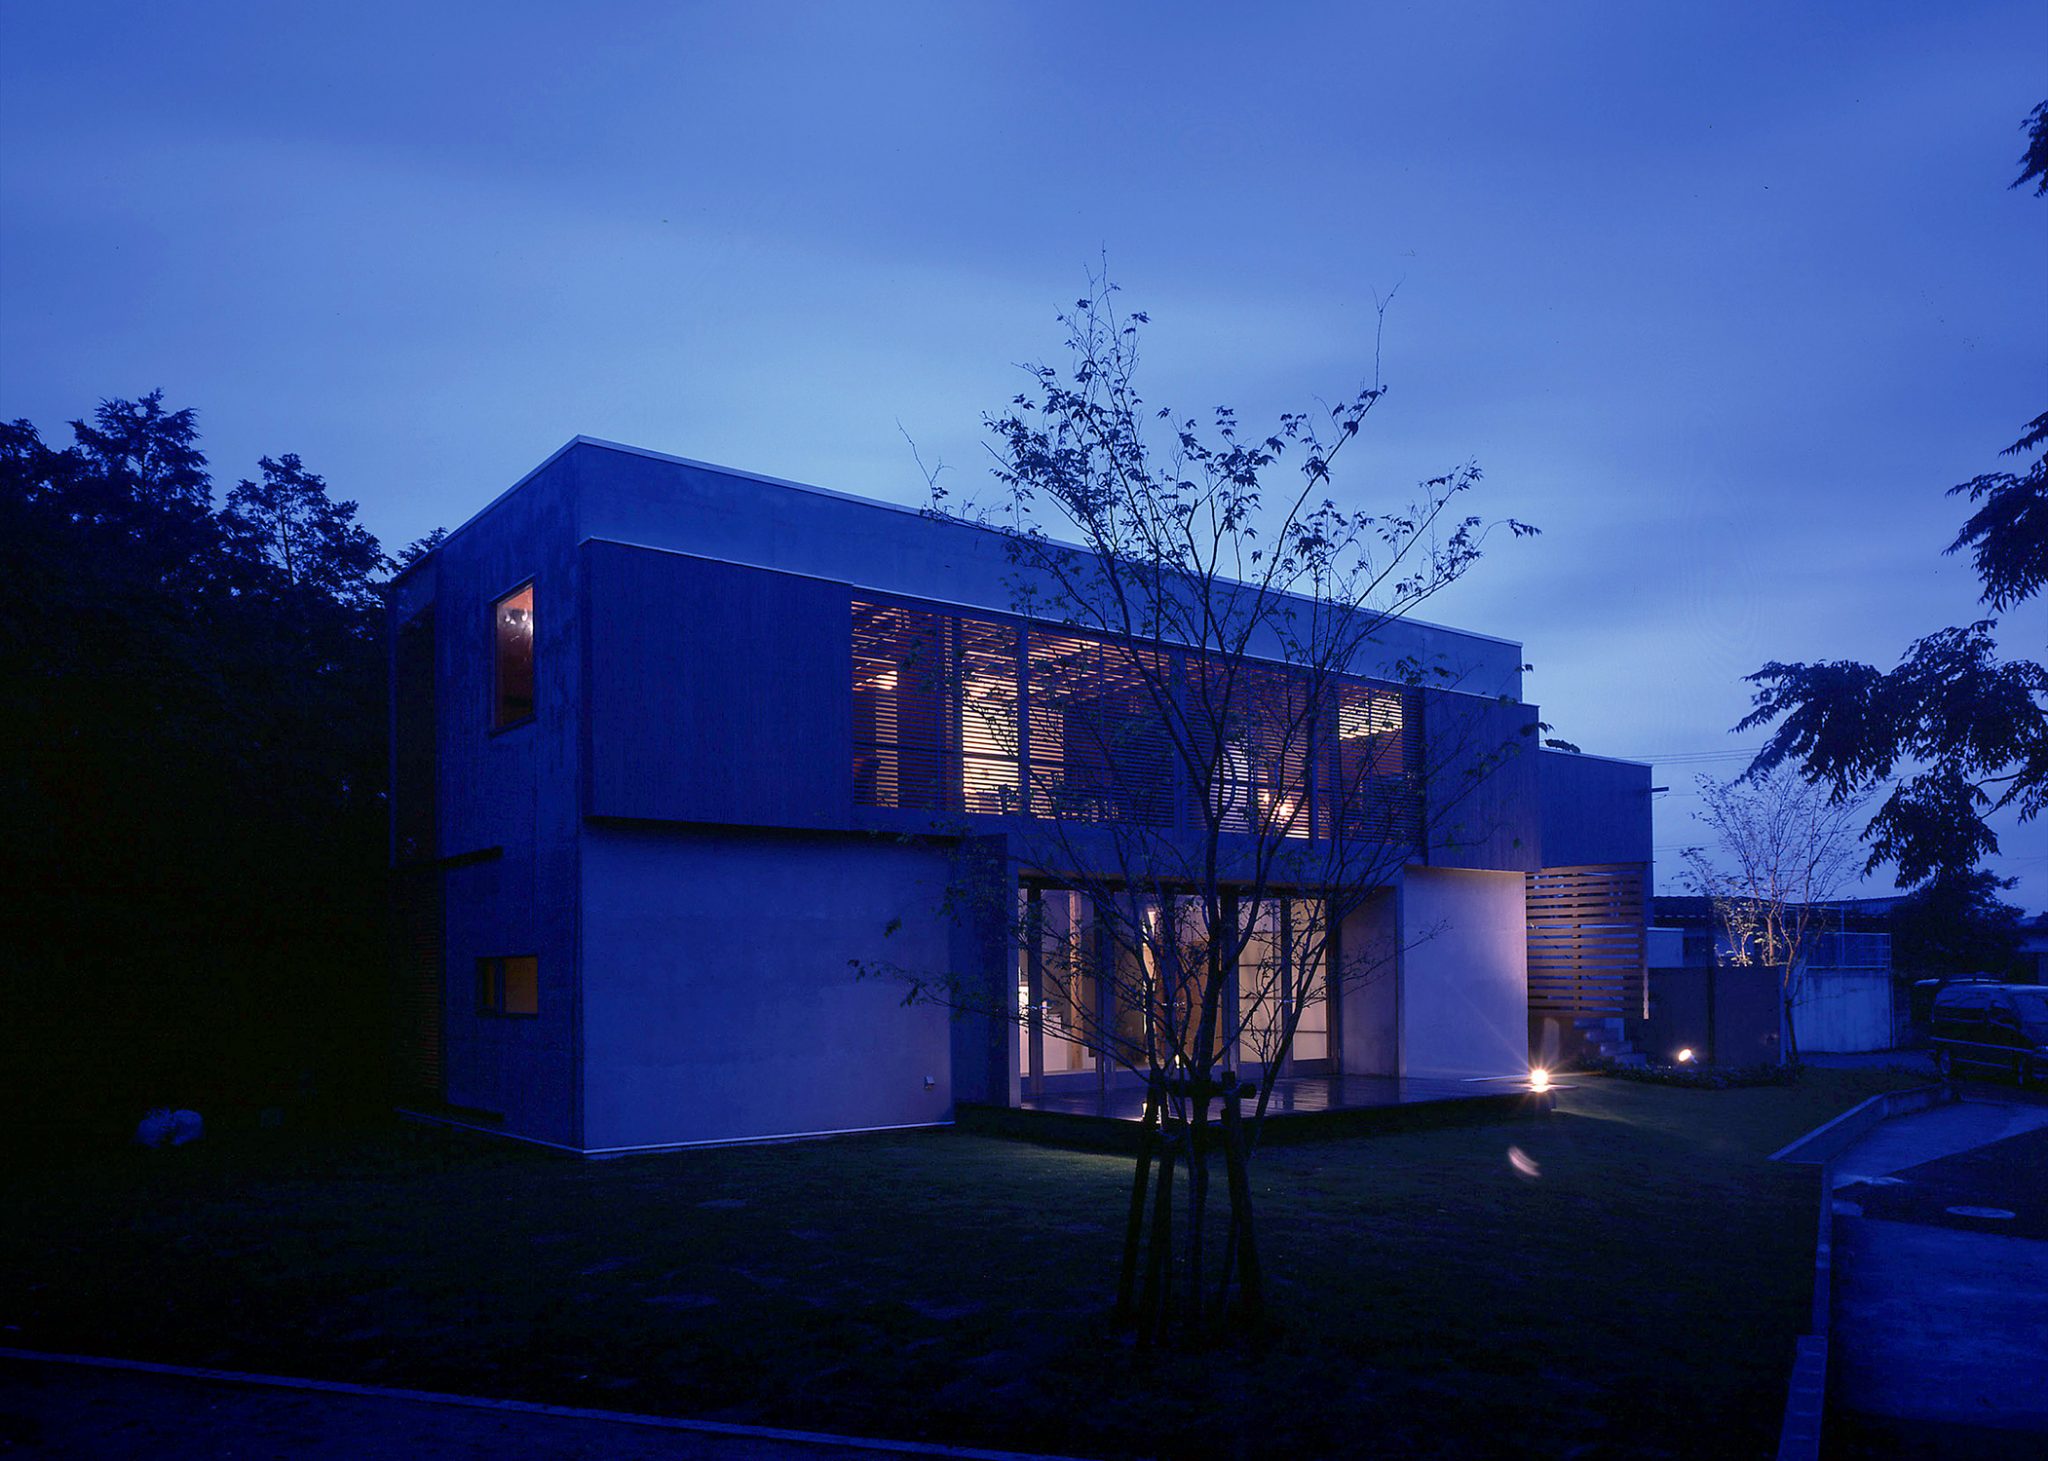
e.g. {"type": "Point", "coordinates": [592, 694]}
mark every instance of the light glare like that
{"type": "Point", "coordinates": [1539, 1078]}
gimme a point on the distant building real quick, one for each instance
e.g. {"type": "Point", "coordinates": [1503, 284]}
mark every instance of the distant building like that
{"type": "Point", "coordinates": [2033, 954]}
{"type": "Point", "coordinates": [1732, 1013]}
{"type": "Point", "coordinates": [660, 777]}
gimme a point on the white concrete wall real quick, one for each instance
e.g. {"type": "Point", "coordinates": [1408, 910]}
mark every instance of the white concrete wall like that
{"type": "Point", "coordinates": [1464, 973]}
{"type": "Point", "coordinates": [1844, 1010]}
{"type": "Point", "coordinates": [718, 999]}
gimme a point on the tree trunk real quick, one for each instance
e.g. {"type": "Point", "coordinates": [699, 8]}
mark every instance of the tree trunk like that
{"type": "Point", "coordinates": [1134, 1228]}
{"type": "Point", "coordinates": [1198, 1207]}
{"type": "Point", "coordinates": [1244, 1248]}
{"type": "Point", "coordinates": [1788, 1050]}
{"type": "Point", "coordinates": [1155, 1296]}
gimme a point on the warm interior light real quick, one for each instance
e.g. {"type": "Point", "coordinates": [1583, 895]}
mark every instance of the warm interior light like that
{"type": "Point", "coordinates": [1376, 715]}
{"type": "Point", "coordinates": [1685, 1056]}
{"type": "Point", "coordinates": [1539, 1078]}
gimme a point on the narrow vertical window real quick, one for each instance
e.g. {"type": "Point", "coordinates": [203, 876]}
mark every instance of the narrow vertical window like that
{"type": "Point", "coordinates": [522, 986]}
{"type": "Point", "coordinates": [508, 985]}
{"type": "Point", "coordinates": [512, 619]}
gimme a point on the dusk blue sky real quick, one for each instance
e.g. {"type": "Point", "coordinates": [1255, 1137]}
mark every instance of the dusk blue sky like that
{"type": "Point", "coordinates": [1720, 296]}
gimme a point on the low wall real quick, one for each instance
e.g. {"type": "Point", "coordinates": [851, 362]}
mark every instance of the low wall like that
{"type": "Point", "coordinates": [1729, 1016]}
{"type": "Point", "coordinates": [1844, 1010]}
{"type": "Point", "coordinates": [1799, 1439]}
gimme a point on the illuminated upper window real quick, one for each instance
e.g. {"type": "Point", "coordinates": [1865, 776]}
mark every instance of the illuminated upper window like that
{"type": "Point", "coordinates": [953, 713]}
{"type": "Point", "coordinates": [512, 627]}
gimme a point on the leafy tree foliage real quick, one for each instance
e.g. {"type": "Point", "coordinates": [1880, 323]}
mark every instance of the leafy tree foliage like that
{"type": "Point", "coordinates": [1957, 925]}
{"type": "Point", "coordinates": [192, 723]}
{"type": "Point", "coordinates": [419, 548]}
{"type": "Point", "coordinates": [1958, 733]}
{"type": "Point", "coordinates": [296, 541]}
{"type": "Point", "coordinates": [2034, 161]}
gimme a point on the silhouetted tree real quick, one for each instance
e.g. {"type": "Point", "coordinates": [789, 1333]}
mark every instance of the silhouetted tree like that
{"type": "Point", "coordinates": [288, 529]}
{"type": "Point", "coordinates": [1957, 925]}
{"type": "Point", "coordinates": [191, 716]}
{"type": "Point", "coordinates": [1958, 733]}
{"type": "Point", "coordinates": [419, 548]}
{"type": "Point", "coordinates": [2034, 161]}
{"type": "Point", "coordinates": [1208, 778]}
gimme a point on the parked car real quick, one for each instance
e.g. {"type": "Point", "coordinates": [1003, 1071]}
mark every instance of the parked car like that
{"type": "Point", "coordinates": [1920, 998]}
{"type": "Point", "coordinates": [1992, 1028]}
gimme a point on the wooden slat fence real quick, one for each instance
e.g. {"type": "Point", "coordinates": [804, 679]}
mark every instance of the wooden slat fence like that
{"type": "Point", "coordinates": [1586, 940]}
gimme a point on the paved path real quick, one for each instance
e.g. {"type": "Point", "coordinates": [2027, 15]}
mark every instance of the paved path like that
{"type": "Point", "coordinates": [51, 1408]}
{"type": "Point", "coordinates": [1894, 1146]}
{"type": "Point", "coordinates": [1941, 1285]}
{"type": "Point", "coordinates": [1919, 1061]}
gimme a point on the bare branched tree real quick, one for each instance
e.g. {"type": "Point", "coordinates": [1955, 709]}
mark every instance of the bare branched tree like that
{"type": "Point", "coordinates": [1208, 758]}
{"type": "Point", "coordinates": [1784, 849]}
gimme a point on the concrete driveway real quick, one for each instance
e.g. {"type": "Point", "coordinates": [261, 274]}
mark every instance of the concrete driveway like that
{"type": "Point", "coordinates": [1941, 1284]}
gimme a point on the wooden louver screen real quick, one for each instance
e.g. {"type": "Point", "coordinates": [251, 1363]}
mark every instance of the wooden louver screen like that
{"type": "Point", "coordinates": [1261, 778]}
{"type": "Point", "coordinates": [1586, 940]}
{"type": "Point", "coordinates": [1375, 764]}
{"type": "Point", "coordinates": [934, 711]}
{"type": "Point", "coordinates": [1100, 749]}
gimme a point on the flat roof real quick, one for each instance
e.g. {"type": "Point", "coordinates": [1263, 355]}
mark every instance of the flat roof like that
{"type": "Point", "coordinates": [788, 485]}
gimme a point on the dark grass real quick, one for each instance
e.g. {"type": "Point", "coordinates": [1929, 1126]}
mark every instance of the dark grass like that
{"type": "Point", "coordinates": [1639, 1297]}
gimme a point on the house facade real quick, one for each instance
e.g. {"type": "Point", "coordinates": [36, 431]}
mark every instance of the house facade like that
{"type": "Point", "coordinates": [664, 785]}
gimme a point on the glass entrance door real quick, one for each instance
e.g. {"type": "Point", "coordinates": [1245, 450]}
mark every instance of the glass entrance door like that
{"type": "Point", "coordinates": [1081, 992]}
{"type": "Point", "coordinates": [1059, 991]}
{"type": "Point", "coordinates": [1282, 975]}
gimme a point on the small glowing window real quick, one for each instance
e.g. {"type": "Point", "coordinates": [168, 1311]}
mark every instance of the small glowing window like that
{"type": "Point", "coordinates": [508, 986]}
{"type": "Point", "coordinates": [512, 626]}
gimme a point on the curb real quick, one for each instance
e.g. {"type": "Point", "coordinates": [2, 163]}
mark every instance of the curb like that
{"type": "Point", "coordinates": [525, 1407]}
{"type": "Point", "coordinates": [1806, 1393]}
{"type": "Point", "coordinates": [1824, 1143]}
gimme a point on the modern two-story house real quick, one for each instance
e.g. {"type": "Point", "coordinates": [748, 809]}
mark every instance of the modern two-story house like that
{"type": "Point", "coordinates": [662, 787]}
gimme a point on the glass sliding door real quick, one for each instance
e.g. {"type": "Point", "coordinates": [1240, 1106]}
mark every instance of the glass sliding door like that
{"type": "Point", "coordinates": [1282, 974]}
{"type": "Point", "coordinates": [1177, 961]}
{"type": "Point", "coordinates": [1308, 959]}
{"type": "Point", "coordinates": [1262, 987]}
{"type": "Point", "coordinates": [1119, 988]}
{"type": "Point", "coordinates": [1069, 991]}
{"type": "Point", "coordinates": [1059, 991]}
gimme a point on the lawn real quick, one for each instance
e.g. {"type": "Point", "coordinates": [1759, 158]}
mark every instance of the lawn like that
{"type": "Point", "coordinates": [1639, 1296]}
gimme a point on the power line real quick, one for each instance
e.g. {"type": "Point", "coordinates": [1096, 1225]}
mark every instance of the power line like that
{"type": "Point", "coordinates": [1680, 758]}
